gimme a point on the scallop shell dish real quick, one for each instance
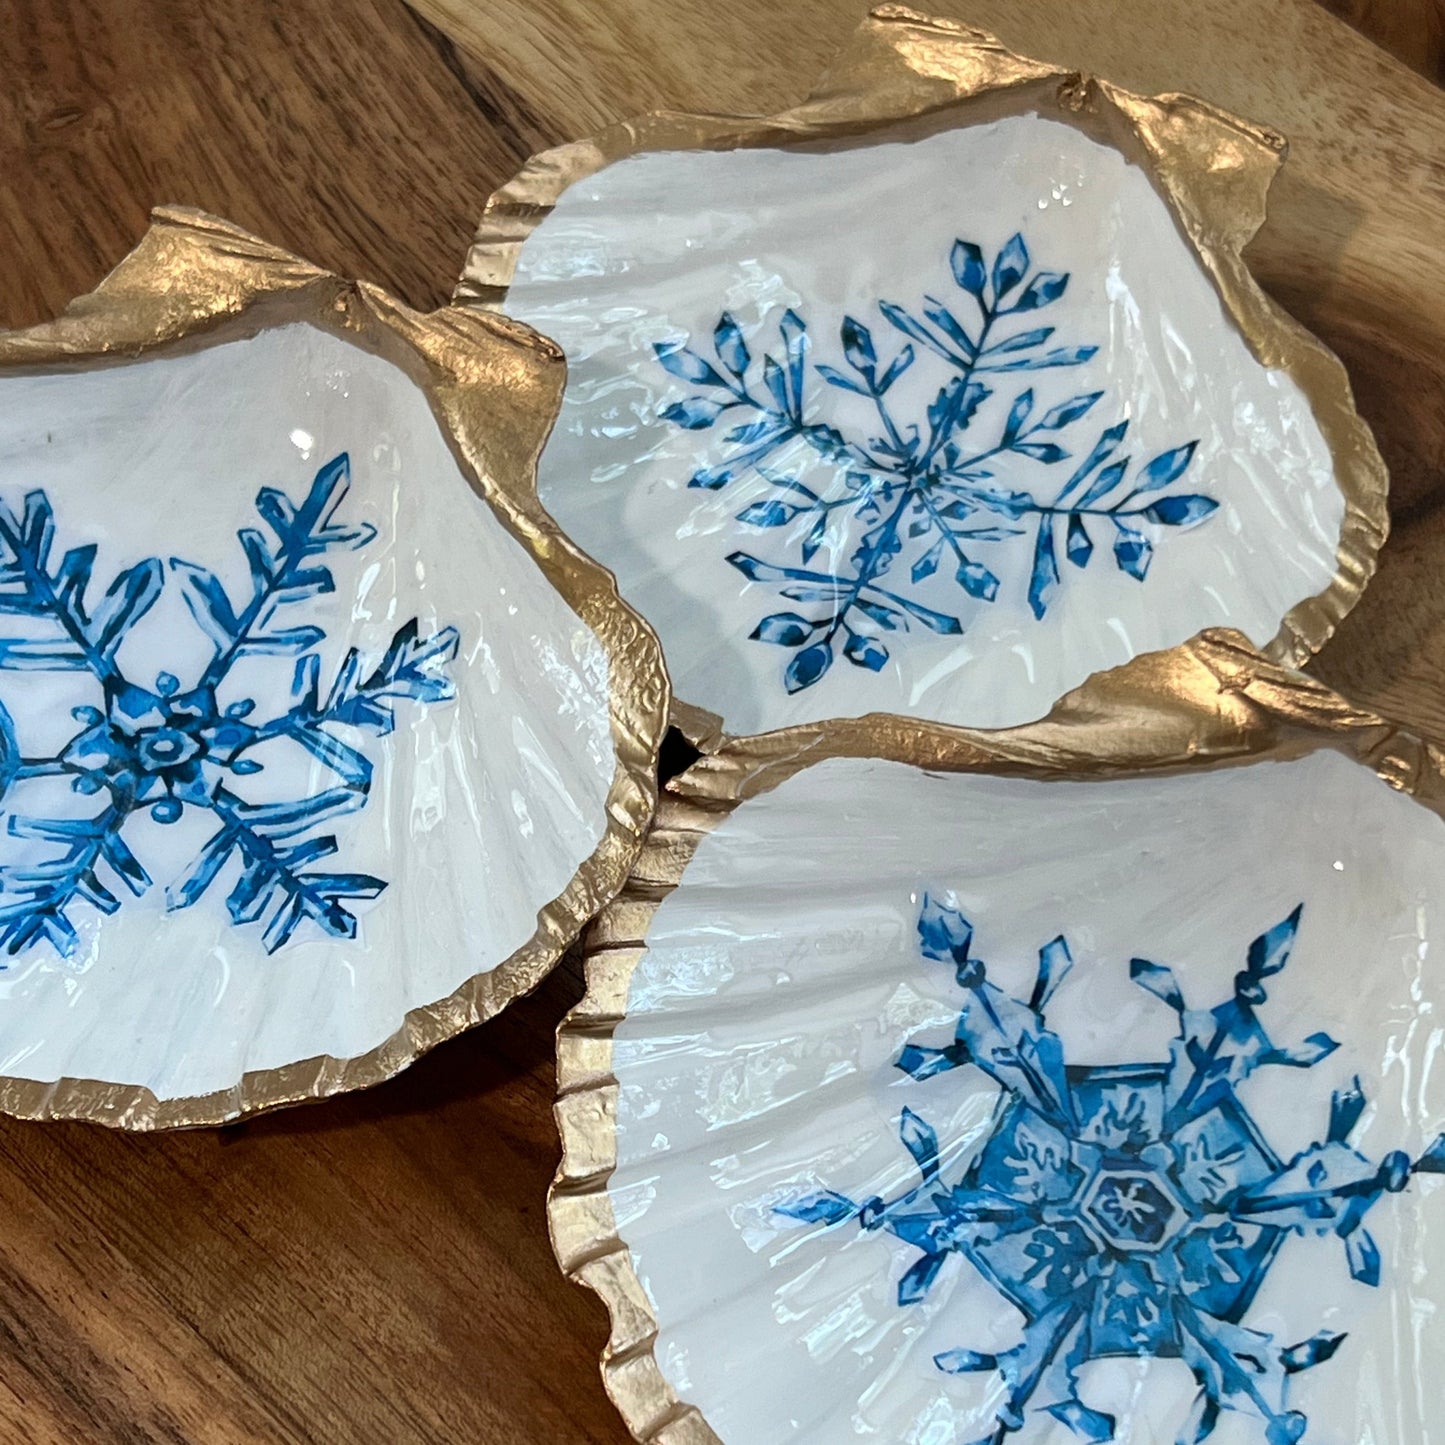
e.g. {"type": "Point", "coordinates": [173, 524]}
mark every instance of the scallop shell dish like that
{"type": "Point", "coordinates": [315, 745]}
{"type": "Point", "coordinates": [949, 1106]}
{"type": "Point", "coordinates": [936, 409]}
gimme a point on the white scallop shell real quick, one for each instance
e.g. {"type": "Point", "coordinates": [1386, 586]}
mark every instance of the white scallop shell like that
{"type": "Point", "coordinates": [481, 808]}
{"type": "Point", "coordinates": [781, 980]}
{"type": "Point", "coordinates": [653, 249]}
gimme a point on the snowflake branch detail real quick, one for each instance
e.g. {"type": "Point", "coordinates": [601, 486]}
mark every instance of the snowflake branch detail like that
{"type": "Point", "coordinates": [924, 492]}
{"type": "Point", "coordinates": [164, 749]}
{"type": "Point", "coordinates": [1129, 1210]}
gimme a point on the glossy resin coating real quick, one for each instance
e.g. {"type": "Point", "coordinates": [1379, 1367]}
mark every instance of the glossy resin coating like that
{"type": "Point", "coordinates": [946, 394]}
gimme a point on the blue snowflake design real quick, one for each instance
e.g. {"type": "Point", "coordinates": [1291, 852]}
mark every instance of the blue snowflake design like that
{"type": "Point", "coordinates": [1127, 1210]}
{"type": "Point", "coordinates": [168, 748]}
{"type": "Point", "coordinates": [930, 494]}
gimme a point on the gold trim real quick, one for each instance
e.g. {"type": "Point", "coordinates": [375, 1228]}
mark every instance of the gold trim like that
{"type": "Point", "coordinates": [494, 386]}
{"type": "Point", "coordinates": [1226, 705]}
{"type": "Point", "coordinates": [902, 68]}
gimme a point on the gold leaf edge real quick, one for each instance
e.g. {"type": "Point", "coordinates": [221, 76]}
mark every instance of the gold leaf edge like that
{"type": "Point", "coordinates": [194, 279]}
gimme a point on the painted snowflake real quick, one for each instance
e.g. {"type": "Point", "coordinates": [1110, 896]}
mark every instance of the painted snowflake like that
{"type": "Point", "coordinates": [170, 747]}
{"type": "Point", "coordinates": [932, 494]}
{"type": "Point", "coordinates": [1127, 1210]}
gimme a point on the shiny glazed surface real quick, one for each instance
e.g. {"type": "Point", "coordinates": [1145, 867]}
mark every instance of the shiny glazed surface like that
{"type": "Point", "coordinates": [480, 801]}
{"type": "Point", "coordinates": [782, 1112]}
{"type": "Point", "coordinates": [750, 574]}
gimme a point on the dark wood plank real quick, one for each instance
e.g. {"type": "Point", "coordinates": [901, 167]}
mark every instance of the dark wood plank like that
{"type": "Point", "coordinates": [374, 1271]}
{"type": "Point", "coordinates": [1411, 30]}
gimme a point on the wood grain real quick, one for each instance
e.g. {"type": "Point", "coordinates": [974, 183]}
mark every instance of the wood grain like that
{"type": "Point", "coordinates": [1411, 30]}
{"type": "Point", "coordinates": [375, 1271]}
{"type": "Point", "coordinates": [346, 133]}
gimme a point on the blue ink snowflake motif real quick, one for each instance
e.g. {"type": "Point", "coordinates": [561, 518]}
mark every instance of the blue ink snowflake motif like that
{"type": "Point", "coordinates": [166, 748]}
{"type": "Point", "coordinates": [926, 489]}
{"type": "Point", "coordinates": [1127, 1210]}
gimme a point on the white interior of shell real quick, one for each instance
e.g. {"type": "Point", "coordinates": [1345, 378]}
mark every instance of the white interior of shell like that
{"type": "Point", "coordinates": [659, 249]}
{"type": "Point", "coordinates": [478, 809]}
{"type": "Point", "coordinates": [784, 979]}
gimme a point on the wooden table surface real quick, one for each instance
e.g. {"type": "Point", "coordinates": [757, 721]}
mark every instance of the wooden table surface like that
{"type": "Point", "coordinates": [375, 1270]}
